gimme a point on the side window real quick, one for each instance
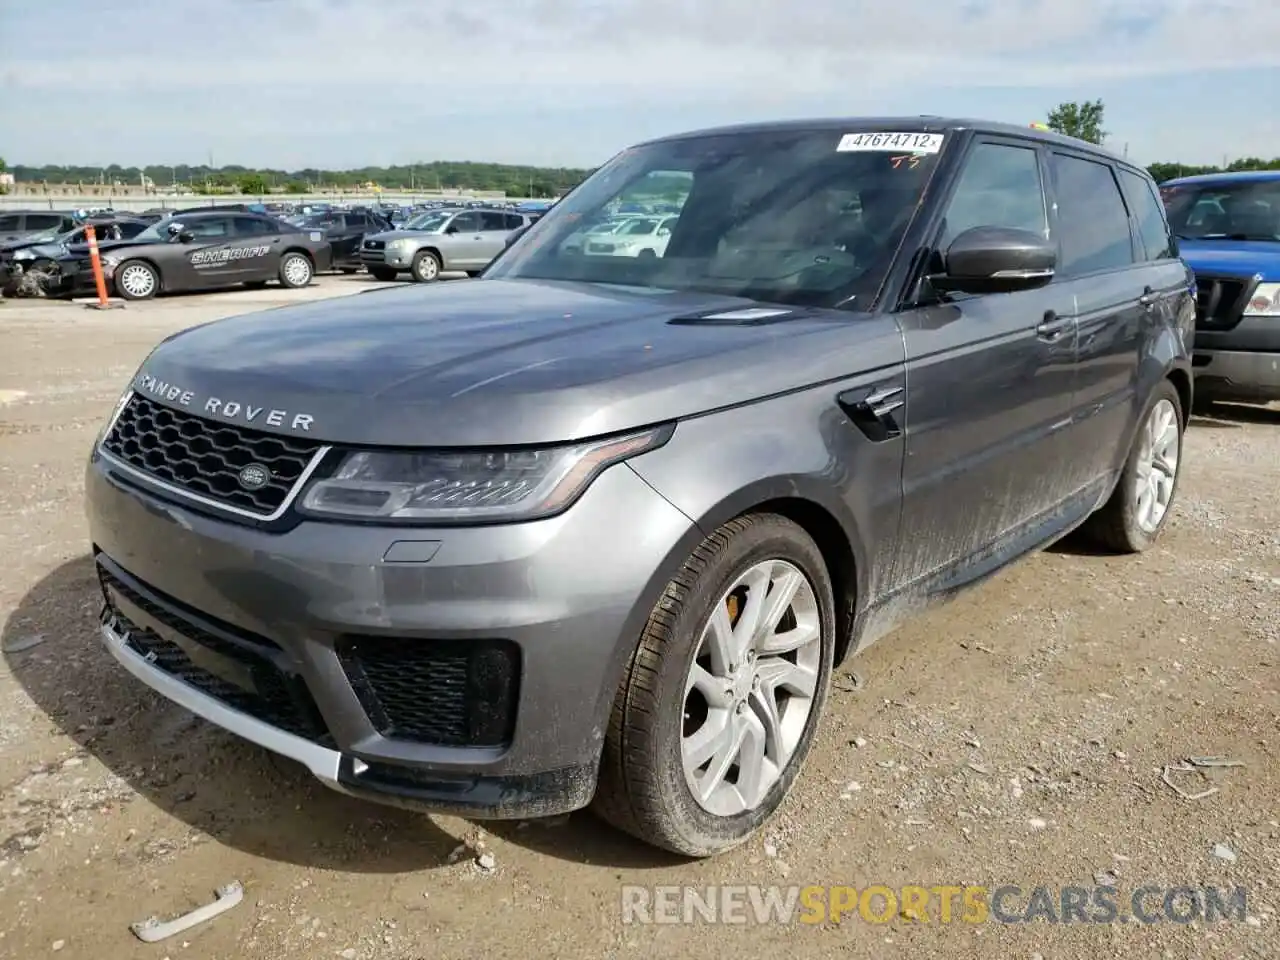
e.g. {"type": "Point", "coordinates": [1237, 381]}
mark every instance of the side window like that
{"type": "Point", "coordinates": [514, 221]}
{"type": "Point", "coordinates": [130, 230]}
{"type": "Point", "coordinates": [1093, 223]}
{"type": "Point", "coordinates": [999, 187]}
{"type": "Point", "coordinates": [466, 223]}
{"type": "Point", "coordinates": [251, 227]}
{"type": "Point", "coordinates": [357, 221]}
{"type": "Point", "coordinates": [1149, 212]}
{"type": "Point", "coordinates": [10, 223]}
{"type": "Point", "coordinates": [209, 228]}
{"type": "Point", "coordinates": [45, 221]}
{"type": "Point", "coordinates": [493, 221]}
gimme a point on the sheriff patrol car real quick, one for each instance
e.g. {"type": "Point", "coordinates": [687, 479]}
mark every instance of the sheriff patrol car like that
{"type": "Point", "coordinates": [200, 251]}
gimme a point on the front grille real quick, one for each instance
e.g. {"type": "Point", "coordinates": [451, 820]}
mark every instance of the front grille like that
{"type": "Point", "coordinates": [193, 653]}
{"type": "Point", "coordinates": [205, 458]}
{"type": "Point", "coordinates": [375, 244]}
{"type": "Point", "coordinates": [445, 692]}
{"type": "Point", "coordinates": [1220, 301]}
{"type": "Point", "coordinates": [369, 257]}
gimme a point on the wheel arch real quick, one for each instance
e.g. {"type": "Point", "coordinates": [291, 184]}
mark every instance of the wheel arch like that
{"type": "Point", "coordinates": [301, 250]}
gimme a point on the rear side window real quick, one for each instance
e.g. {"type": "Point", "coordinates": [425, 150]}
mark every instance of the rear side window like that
{"type": "Point", "coordinates": [130, 230]}
{"type": "Point", "coordinates": [44, 221]}
{"type": "Point", "coordinates": [493, 221]}
{"type": "Point", "coordinates": [1093, 223]}
{"type": "Point", "coordinates": [514, 221]}
{"type": "Point", "coordinates": [1000, 187]}
{"type": "Point", "coordinates": [10, 223]}
{"type": "Point", "coordinates": [252, 227]}
{"type": "Point", "coordinates": [1157, 243]}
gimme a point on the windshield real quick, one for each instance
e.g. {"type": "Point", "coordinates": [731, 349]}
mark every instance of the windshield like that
{"type": "Point", "coordinates": [778, 216]}
{"type": "Point", "coordinates": [431, 220]}
{"type": "Point", "coordinates": [157, 231]}
{"type": "Point", "coordinates": [1243, 210]}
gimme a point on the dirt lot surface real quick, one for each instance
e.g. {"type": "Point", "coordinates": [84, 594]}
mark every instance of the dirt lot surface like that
{"type": "Point", "coordinates": [1015, 737]}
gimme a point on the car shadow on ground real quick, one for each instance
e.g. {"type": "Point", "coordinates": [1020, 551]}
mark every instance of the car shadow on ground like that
{"type": "Point", "coordinates": [241, 796]}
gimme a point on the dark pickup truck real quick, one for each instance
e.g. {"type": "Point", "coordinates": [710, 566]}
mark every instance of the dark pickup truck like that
{"type": "Point", "coordinates": [595, 530]}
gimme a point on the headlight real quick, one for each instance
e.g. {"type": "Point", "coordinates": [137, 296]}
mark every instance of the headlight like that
{"type": "Point", "coordinates": [24, 255]}
{"type": "Point", "coordinates": [115, 413]}
{"type": "Point", "coordinates": [1265, 301]}
{"type": "Point", "coordinates": [398, 244]}
{"type": "Point", "coordinates": [470, 485]}
{"type": "Point", "coordinates": [109, 261]}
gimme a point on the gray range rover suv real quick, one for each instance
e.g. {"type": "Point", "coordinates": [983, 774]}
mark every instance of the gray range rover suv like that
{"type": "Point", "coordinates": [594, 530]}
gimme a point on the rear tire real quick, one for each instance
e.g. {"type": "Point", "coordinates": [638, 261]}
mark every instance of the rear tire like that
{"type": "Point", "coordinates": [382, 273]}
{"type": "Point", "coordinates": [347, 271]}
{"type": "Point", "coordinates": [136, 280]}
{"type": "Point", "coordinates": [1132, 519]}
{"type": "Point", "coordinates": [426, 267]}
{"type": "Point", "coordinates": [295, 271]}
{"type": "Point", "coordinates": [651, 763]}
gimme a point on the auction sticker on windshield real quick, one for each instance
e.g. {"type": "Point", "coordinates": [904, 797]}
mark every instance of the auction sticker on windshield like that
{"type": "Point", "coordinates": [896, 142]}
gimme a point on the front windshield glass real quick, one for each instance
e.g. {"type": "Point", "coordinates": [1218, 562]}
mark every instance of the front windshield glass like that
{"type": "Point", "coordinates": [1240, 210]}
{"type": "Point", "coordinates": [431, 220]}
{"type": "Point", "coordinates": [777, 216]}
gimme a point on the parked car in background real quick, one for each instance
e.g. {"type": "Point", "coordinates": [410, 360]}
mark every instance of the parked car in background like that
{"type": "Point", "coordinates": [17, 224]}
{"type": "Point", "coordinates": [638, 237]}
{"type": "Point", "coordinates": [595, 530]}
{"type": "Point", "coordinates": [439, 242]}
{"type": "Point", "coordinates": [1228, 230]}
{"type": "Point", "coordinates": [39, 251]}
{"type": "Point", "coordinates": [199, 251]}
{"type": "Point", "coordinates": [345, 230]}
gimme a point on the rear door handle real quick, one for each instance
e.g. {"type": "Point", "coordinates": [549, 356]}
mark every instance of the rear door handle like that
{"type": "Point", "coordinates": [1148, 298]}
{"type": "Point", "coordinates": [1052, 327]}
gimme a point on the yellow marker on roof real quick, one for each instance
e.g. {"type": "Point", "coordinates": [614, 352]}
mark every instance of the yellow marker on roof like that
{"type": "Point", "coordinates": [1040, 126]}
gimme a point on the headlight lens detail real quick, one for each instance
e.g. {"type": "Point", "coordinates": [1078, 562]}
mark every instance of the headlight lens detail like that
{"type": "Point", "coordinates": [473, 486]}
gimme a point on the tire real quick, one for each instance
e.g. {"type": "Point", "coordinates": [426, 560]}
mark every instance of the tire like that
{"type": "Point", "coordinates": [382, 273]}
{"type": "Point", "coordinates": [347, 271]}
{"type": "Point", "coordinates": [136, 280]}
{"type": "Point", "coordinates": [296, 271]}
{"type": "Point", "coordinates": [1123, 524]}
{"type": "Point", "coordinates": [646, 254]}
{"type": "Point", "coordinates": [643, 787]}
{"type": "Point", "coordinates": [426, 267]}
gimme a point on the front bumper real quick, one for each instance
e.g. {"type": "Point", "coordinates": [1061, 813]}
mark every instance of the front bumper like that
{"type": "Point", "coordinates": [1241, 363]}
{"type": "Point", "coordinates": [390, 258]}
{"type": "Point", "coordinates": [193, 598]}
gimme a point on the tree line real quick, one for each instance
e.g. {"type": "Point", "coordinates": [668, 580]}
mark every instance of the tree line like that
{"type": "Point", "coordinates": [1083, 120]}
{"type": "Point", "coordinates": [514, 180]}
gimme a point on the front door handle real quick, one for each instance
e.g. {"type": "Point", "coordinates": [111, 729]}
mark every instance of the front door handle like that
{"type": "Point", "coordinates": [1148, 298]}
{"type": "Point", "coordinates": [1052, 327]}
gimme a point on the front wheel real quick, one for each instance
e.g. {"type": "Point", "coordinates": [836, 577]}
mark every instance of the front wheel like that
{"type": "Point", "coordinates": [137, 280]}
{"type": "Point", "coordinates": [295, 271]}
{"type": "Point", "coordinates": [426, 267]}
{"type": "Point", "coordinates": [718, 706]}
{"type": "Point", "coordinates": [1132, 519]}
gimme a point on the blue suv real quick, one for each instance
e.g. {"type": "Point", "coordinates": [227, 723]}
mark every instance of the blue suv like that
{"type": "Point", "coordinates": [1228, 229]}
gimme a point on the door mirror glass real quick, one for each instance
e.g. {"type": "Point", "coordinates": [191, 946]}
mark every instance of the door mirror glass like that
{"type": "Point", "coordinates": [996, 260]}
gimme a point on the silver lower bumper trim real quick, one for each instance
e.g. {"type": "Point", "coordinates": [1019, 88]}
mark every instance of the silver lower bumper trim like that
{"type": "Point", "coordinates": [321, 761]}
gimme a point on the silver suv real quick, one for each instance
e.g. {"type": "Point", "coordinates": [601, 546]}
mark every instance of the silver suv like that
{"type": "Point", "coordinates": [438, 241]}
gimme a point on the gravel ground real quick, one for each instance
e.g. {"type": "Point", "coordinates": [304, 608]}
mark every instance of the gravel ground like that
{"type": "Point", "coordinates": [1016, 736]}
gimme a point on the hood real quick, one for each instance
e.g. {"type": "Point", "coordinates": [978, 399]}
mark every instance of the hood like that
{"type": "Point", "coordinates": [79, 250]}
{"type": "Point", "coordinates": [46, 251]}
{"type": "Point", "coordinates": [471, 363]}
{"type": "Point", "coordinates": [1233, 257]}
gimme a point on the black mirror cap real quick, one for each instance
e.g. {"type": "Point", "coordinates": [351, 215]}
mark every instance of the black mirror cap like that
{"type": "Point", "coordinates": [185, 237]}
{"type": "Point", "coordinates": [997, 260]}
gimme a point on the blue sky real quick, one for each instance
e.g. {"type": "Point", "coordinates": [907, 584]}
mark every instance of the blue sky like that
{"type": "Point", "coordinates": [336, 83]}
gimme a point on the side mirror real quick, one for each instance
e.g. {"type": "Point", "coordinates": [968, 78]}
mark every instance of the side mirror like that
{"type": "Point", "coordinates": [451, 228]}
{"type": "Point", "coordinates": [996, 260]}
{"type": "Point", "coordinates": [515, 235]}
{"type": "Point", "coordinates": [186, 237]}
